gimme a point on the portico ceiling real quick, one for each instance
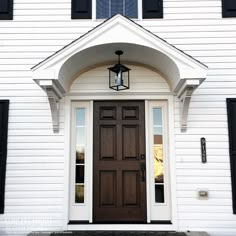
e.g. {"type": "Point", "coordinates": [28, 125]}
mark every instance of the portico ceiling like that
{"type": "Point", "coordinates": [56, 73]}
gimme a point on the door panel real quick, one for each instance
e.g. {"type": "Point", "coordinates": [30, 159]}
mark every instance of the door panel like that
{"type": "Point", "coordinates": [108, 142]}
{"type": "Point", "coordinates": [131, 188]}
{"type": "Point", "coordinates": [130, 142]}
{"type": "Point", "coordinates": [107, 188]}
{"type": "Point", "coordinates": [119, 181]}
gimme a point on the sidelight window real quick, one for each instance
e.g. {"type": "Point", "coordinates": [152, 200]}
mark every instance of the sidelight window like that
{"type": "Point", "coordinates": [158, 155]}
{"type": "Point", "coordinates": [80, 161]}
{"type": "Point", "coordinates": [80, 155]}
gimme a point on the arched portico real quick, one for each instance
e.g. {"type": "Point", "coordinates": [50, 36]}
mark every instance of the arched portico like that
{"type": "Point", "coordinates": [56, 73]}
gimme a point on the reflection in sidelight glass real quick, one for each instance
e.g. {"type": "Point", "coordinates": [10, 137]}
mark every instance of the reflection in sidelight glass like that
{"type": "Point", "coordinates": [159, 193]}
{"type": "Point", "coordinates": [158, 155]}
{"type": "Point", "coordinates": [79, 177]}
{"type": "Point", "coordinates": [79, 194]}
{"type": "Point", "coordinates": [80, 137]}
{"type": "Point", "coordinates": [80, 155]}
{"type": "Point", "coordinates": [80, 117]}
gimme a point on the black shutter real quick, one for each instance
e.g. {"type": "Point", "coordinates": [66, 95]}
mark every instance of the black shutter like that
{"type": "Point", "coordinates": [231, 110]}
{"type": "Point", "coordinates": [152, 9]}
{"type": "Point", "coordinates": [229, 8]}
{"type": "Point", "coordinates": [4, 105]}
{"type": "Point", "coordinates": [6, 9]}
{"type": "Point", "coordinates": [81, 9]}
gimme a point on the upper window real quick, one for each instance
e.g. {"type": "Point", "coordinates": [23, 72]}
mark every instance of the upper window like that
{"type": "Point", "coordinates": [107, 8]}
{"type": "Point", "coordinates": [228, 8]}
{"type": "Point", "coordinates": [6, 9]}
{"type": "Point", "coordinates": [82, 9]}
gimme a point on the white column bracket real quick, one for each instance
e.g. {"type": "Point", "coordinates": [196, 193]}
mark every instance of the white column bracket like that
{"type": "Point", "coordinates": [54, 93]}
{"type": "Point", "coordinates": [184, 107]}
{"type": "Point", "coordinates": [184, 91]}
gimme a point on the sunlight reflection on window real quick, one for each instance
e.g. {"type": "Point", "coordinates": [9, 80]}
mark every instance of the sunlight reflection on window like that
{"type": "Point", "coordinates": [80, 155]}
{"type": "Point", "coordinates": [158, 155]}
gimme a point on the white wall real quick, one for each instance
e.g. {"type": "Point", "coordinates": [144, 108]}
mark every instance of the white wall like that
{"type": "Point", "coordinates": [142, 80]}
{"type": "Point", "coordinates": [35, 169]}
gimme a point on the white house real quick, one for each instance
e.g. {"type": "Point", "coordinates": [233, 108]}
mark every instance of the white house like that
{"type": "Point", "coordinates": [118, 115]}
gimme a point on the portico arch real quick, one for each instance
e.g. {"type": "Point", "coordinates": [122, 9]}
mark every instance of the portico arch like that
{"type": "Point", "coordinates": [56, 73]}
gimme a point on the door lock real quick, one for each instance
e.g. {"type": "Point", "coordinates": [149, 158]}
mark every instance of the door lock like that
{"type": "Point", "coordinates": [142, 156]}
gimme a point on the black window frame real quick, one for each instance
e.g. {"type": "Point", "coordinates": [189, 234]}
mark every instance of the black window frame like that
{"type": "Point", "coordinates": [231, 115]}
{"type": "Point", "coordinates": [3, 149]}
{"type": "Point", "coordinates": [228, 8]}
{"type": "Point", "coordinates": [84, 13]}
{"type": "Point", "coordinates": [6, 15]}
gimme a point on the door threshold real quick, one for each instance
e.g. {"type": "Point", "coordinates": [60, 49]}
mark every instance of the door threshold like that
{"type": "Point", "coordinates": [79, 222]}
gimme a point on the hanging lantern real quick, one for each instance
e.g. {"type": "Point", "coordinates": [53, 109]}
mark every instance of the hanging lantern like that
{"type": "Point", "coordinates": [119, 75]}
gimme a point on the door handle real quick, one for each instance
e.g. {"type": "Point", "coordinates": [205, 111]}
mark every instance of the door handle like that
{"type": "Point", "coordinates": [143, 170]}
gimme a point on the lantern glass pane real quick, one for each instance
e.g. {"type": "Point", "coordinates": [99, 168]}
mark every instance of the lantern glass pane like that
{"type": "Point", "coordinates": [119, 77]}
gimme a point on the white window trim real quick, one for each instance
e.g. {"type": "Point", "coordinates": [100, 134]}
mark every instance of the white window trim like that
{"type": "Point", "coordinates": [83, 208]}
{"type": "Point", "coordinates": [140, 11]}
{"type": "Point", "coordinates": [171, 151]}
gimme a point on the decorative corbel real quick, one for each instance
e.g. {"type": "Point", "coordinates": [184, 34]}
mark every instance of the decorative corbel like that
{"type": "Point", "coordinates": [184, 92]}
{"type": "Point", "coordinates": [54, 106]}
{"type": "Point", "coordinates": [54, 93]}
{"type": "Point", "coordinates": [184, 107]}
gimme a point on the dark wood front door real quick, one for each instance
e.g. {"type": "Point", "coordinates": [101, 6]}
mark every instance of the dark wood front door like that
{"type": "Point", "coordinates": [119, 192]}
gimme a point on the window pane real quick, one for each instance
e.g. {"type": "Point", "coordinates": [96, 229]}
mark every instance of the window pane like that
{"type": "Point", "coordinates": [80, 117]}
{"type": "Point", "coordinates": [102, 9]}
{"type": "Point", "coordinates": [79, 175]}
{"type": "Point", "coordinates": [157, 116]}
{"type": "Point", "coordinates": [158, 145]}
{"type": "Point", "coordinates": [79, 154]}
{"type": "Point", "coordinates": [116, 7]}
{"type": "Point", "coordinates": [79, 194]}
{"type": "Point", "coordinates": [159, 194]}
{"type": "Point", "coordinates": [108, 8]}
{"type": "Point", "coordinates": [157, 131]}
{"type": "Point", "coordinates": [158, 164]}
{"type": "Point", "coordinates": [80, 136]}
{"type": "Point", "coordinates": [131, 8]}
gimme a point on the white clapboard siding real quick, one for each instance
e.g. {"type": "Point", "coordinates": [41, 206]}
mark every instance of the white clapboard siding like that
{"type": "Point", "coordinates": [35, 170]}
{"type": "Point", "coordinates": [95, 79]}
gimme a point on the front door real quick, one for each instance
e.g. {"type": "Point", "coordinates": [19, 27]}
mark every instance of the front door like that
{"type": "Point", "coordinates": [119, 186]}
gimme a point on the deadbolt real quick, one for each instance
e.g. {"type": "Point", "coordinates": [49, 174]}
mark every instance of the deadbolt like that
{"type": "Point", "coordinates": [142, 156]}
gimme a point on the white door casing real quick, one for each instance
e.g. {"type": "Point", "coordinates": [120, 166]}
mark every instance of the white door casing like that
{"type": "Point", "coordinates": [155, 212]}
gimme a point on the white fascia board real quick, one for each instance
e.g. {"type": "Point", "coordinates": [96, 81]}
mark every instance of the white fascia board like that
{"type": "Point", "coordinates": [44, 74]}
{"type": "Point", "coordinates": [44, 82]}
{"type": "Point", "coordinates": [187, 72]}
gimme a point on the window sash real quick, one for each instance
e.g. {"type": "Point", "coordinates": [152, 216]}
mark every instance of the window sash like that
{"type": "Point", "coordinates": [108, 8]}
